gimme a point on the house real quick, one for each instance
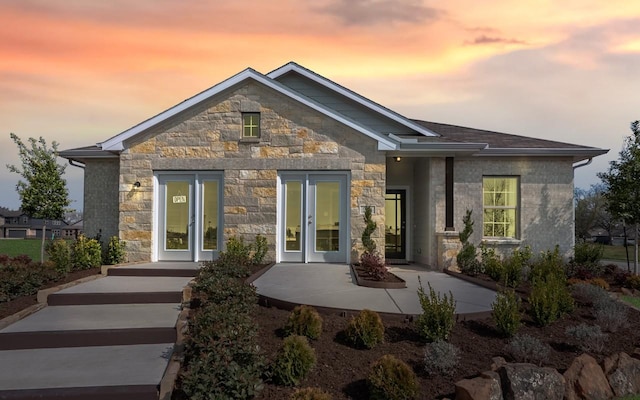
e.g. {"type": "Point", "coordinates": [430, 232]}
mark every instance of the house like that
{"type": "Point", "coordinates": [17, 224]}
{"type": "Point", "coordinates": [295, 157]}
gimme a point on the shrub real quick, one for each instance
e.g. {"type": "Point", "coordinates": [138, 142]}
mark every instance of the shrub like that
{"type": "Point", "coordinates": [588, 254]}
{"type": "Point", "coordinates": [610, 314]}
{"type": "Point", "coordinates": [632, 282]}
{"type": "Point", "coordinates": [19, 276]}
{"type": "Point", "coordinates": [369, 227]}
{"type": "Point", "coordinates": [86, 253]}
{"type": "Point", "coordinates": [620, 277]}
{"type": "Point", "coordinates": [260, 248]}
{"type": "Point", "coordinates": [59, 254]}
{"type": "Point", "coordinates": [115, 252]}
{"type": "Point", "coordinates": [437, 318]}
{"type": "Point", "coordinates": [441, 357]}
{"type": "Point", "coordinates": [588, 293]}
{"type": "Point", "coordinates": [365, 329]}
{"type": "Point", "coordinates": [549, 299]}
{"type": "Point", "coordinates": [590, 338]}
{"type": "Point", "coordinates": [547, 264]}
{"type": "Point", "coordinates": [373, 265]}
{"type": "Point", "coordinates": [491, 264]}
{"type": "Point", "coordinates": [304, 320]}
{"type": "Point", "coordinates": [392, 379]}
{"type": "Point", "coordinates": [527, 349]}
{"type": "Point", "coordinates": [466, 258]}
{"type": "Point", "coordinates": [506, 312]}
{"type": "Point", "coordinates": [599, 282]}
{"type": "Point", "coordinates": [237, 252]}
{"type": "Point", "coordinates": [310, 394]}
{"type": "Point", "coordinates": [294, 361]}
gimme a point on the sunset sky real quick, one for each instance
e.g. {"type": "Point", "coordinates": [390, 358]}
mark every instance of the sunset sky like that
{"type": "Point", "coordinates": [80, 71]}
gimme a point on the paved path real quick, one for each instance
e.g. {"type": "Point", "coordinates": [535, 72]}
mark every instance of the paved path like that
{"type": "Point", "coordinates": [331, 285]}
{"type": "Point", "coordinates": [110, 338]}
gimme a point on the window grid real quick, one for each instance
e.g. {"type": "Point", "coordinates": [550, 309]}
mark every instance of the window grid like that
{"type": "Point", "coordinates": [251, 125]}
{"type": "Point", "coordinates": [500, 196]}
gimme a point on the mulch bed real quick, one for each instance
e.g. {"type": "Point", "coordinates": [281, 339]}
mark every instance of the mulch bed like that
{"type": "Point", "coordinates": [20, 303]}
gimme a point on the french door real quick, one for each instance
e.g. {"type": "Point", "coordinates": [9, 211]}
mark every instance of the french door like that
{"type": "Point", "coordinates": [313, 217]}
{"type": "Point", "coordinates": [189, 216]}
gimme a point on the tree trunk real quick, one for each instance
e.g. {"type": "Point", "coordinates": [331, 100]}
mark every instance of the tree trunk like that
{"type": "Point", "coordinates": [44, 232]}
{"type": "Point", "coordinates": [635, 261]}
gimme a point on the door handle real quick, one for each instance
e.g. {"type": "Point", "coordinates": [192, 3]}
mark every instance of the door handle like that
{"type": "Point", "coordinates": [310, 219]}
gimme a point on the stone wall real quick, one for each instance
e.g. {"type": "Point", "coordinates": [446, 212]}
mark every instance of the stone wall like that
{"type": "Point", "coordinates": [101, 198]}
{"type": "Point", "coordinates": [546, 200]}
{"type": "Point", "coordinates": [208, 138]}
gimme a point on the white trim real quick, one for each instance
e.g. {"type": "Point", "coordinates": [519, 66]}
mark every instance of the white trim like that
{"type": "Point", "coordinates": [292, 66]}
{"type": "Point", "coordinates": [116, 143]}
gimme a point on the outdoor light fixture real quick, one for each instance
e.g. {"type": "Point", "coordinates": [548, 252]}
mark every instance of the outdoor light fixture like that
{"type": "Point", "coordinates": [136, 184]}
{"type": "Point", "coordinates": [397, 158]}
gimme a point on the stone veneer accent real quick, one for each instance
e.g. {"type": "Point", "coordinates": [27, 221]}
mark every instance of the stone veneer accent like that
{"type": "Point", "coordinates": [208, 138]}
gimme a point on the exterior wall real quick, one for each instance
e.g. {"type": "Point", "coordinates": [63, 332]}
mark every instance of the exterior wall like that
{"type": "Point", "coordinates": [208, 137]}
{"type": "Point", "coordinates": [546, 201]}
{"type": "Point", "coordinates": [101, 197]}
{"type": "Point", "coordinates": [422, 221]}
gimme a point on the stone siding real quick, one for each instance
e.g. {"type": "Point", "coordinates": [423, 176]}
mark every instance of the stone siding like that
{"type": "Point", "coordinates": [545, 216]}
{"type": "Point", "coordinates": [208, 138]}
{"type": "Point", "coordinates": [101, 198]}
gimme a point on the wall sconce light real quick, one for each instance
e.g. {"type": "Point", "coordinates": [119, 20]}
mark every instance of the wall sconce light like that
{"type": "Point", "coordinates": [136, 185]}
{"type": "Point", "coordinates": [397, 158]}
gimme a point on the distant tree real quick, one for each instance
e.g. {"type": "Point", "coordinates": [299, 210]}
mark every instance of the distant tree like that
{"type": "Point", "coordinates": [591, 211]}
{"type": "Point", "coordinates": [623, 184]}
{"type": "Point", "coordinates": [43, 192]}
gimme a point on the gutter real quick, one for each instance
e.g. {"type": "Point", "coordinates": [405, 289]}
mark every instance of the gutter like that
{"type": "Point", "coordinates": [75, 163]}
{"type": "Point", "coordinates": [584, 164]}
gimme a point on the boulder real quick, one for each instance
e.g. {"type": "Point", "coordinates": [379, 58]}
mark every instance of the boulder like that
{"type": "Point", "coordinates": [497, 362]}
{"type": "Point", "coordinates": [522, 381]}
{"type": "Point", "coordinates": [623, 374]}
{"type": "Point", "coordinates": [484, 387]}
{"type": "Point", "coordinates": [586, 380]}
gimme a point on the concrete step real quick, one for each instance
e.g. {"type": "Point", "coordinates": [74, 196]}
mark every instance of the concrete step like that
{"type": "Point", "coordinates": [102, 372]}
{"type": "Point", "coordinates": [93, 325]}
{"type": "Point", "coordinates": [122, 290]}
{"type": "Point", "coordinates": [177, 269]}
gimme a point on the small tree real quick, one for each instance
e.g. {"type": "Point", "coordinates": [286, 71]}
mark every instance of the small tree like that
{"type": "Point", "coordinates": [43, 192]}
{"type": "Point", "coordinates": [466, 258]}
{"type": "Point", "coordinates": [621, 181]}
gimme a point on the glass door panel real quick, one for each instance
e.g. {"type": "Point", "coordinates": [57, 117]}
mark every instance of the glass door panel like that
{"type": "Point", "coordinates": [293, 215]}
{"type": "Point", "coordinates": [327, 216]}
{"type": "Point", "coordinates": [178, 217]}
{"type": "Point", "coordinates": [395, 220]}
{"type": "Point", "coordinates": [209, 214]}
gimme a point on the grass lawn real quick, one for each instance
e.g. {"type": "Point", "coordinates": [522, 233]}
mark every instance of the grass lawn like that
{"type": "Point", "coordinates": [15, 247]}
{"type": "Point", "coordinates": [617, 253]}
{"type": "Point", "coordinates": [632, 300]}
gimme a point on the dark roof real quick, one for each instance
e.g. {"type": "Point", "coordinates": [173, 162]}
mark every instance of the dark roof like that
{"type": "Point", "coordinates": [5, 212]}
{"type": "Point", "coordinates": [80, 153]}
{"type": "Point", "coordinates": [462, 134]}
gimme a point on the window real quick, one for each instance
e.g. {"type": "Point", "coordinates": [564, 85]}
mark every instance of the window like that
{"type": "Point", "coordinates": [500, 207]}
{"type": "Point", "coordinates": [250, 125]}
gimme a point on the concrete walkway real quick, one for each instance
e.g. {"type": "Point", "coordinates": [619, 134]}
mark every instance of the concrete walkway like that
{"type": "Point", "coordinates": [109, 338]}
{"type": "Point", "coordinates": [331, 285]}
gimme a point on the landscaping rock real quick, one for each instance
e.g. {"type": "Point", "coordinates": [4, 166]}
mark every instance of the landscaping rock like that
{"type": "Point", "coordinates": [497, 362]}
{"type": "Point", "coordinates": [522, 381]}
{"type": "Point", "coordinates": [586, 380]}
{"type": "Point", "coordinates": [484, 387]}
{"type": "Point", "coordinates": [623, 373]}
{"type": "Point", "coordinates": [636, 353]}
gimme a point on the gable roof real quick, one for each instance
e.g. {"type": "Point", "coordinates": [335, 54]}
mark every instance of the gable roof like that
{"type": "Point", "coordinates": [420, 137]}
{"type": "Point", "coordinates": [116, 142]}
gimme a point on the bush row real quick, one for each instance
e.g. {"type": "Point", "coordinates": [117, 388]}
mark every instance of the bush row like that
{"type": "Point", "coordinates": [20, 276]}
{"type": "Point", "coordinates": [85, 253]}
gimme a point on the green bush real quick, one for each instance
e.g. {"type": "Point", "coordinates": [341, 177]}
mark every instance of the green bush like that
{"type": "Point", "coordinates": [369, 227]}
{"type": "Point", "coordinates": [59, 253]}
{"type": "Point", "coordinates": [514, 266]}
{"type": "Point", "coordinates": [467, 258]}
{"type": "Point", "coordinates": [589, 338]}
{"type": "Point", "coordinates": [305, 321]}
{"type": "Point", "coordinates": [491, 264]}
{"type": "Point", "coordinates": [86, 253]}
{"type": "Point", "coordinates": [588, 253]}
{"type": "Point", "coordinates": [438, 314]}
{"type": "Point", "coordinates": [294, 361]}
{"type": "Point", "coordinates": [115, 252]}
{"type": "Point", "coordinates": [549, 299]}
{"type": "Point", "coordinates": [310, 394]}
{"type": "Point", "coordinates": [19, 276]}
{"type": "Point", "coordinates": [528, 349]}
{"type": "Point", "coordinates": [548, 263]}
{"type": "Point", "coordinates": [260, 248]}
{"type": "Point", "coordinates": [441, 358]}
{"type": "Point", "coordinates": [365, 329]}
{"type": "Point", "coordinates": [506, 312]}
{"type": "Point", "coordinates": [392, 379]}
